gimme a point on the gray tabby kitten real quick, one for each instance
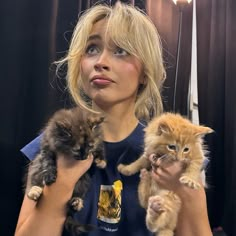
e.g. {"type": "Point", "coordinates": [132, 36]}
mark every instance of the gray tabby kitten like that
{"type": "Point", "coordinates": [76, 133]}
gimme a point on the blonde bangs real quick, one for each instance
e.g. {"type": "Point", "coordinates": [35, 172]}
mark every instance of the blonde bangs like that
{"type": "Point", "coordinates": [77, 49]}
{"type": "Point", "coordinates": [126, 35]}
{"type": "Point", "coordinates": [139, 37]}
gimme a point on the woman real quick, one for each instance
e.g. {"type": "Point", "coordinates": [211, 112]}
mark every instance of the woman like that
{"type": "Point", "coordinates": [114, 66]}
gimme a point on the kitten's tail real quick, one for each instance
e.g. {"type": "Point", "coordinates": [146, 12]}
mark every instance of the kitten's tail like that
{"type": "Point", "coordinates": [77, 228]}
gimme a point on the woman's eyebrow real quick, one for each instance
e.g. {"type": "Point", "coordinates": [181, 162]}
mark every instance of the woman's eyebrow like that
{"type": "Point", "coordinates": [94, 37]}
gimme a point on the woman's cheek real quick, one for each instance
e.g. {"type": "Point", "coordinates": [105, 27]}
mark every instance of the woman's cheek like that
{"type": "Point", "coordinates": [85, 65]}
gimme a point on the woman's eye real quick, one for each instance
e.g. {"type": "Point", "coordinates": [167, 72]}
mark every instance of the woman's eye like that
{"type": "Point", "coordinates": [171, 147]}
{"type": "Point", "coordinates": [121, 52]}
{"type": "Point", "coordinates": [92, 49]}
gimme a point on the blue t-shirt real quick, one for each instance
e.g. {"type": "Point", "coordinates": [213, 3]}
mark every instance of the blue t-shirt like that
{"type": "Point", "coordinates": [114, 210]}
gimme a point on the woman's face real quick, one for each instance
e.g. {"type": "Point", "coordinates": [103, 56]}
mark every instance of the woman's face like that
{"type": "Point", "coordinates": [111, 76]}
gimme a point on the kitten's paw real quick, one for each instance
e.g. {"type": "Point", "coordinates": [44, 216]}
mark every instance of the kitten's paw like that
{"type": "Point", "coordinates": [100, 163]}
{"type": "Point", "coordinates": [165, 232]}
{"type": "Point", "coordinates": [189, 182]}
{"type": "Point", "coordinates": [34, 193]}
{"type": "Point", "coordinates": [77, 203]}
{"type": "Point", "coordinates": [144, 174]}
{"type": "Point", "coordinates": [156, 205]}
{"type": "Point", "coordinates": [124, 169]}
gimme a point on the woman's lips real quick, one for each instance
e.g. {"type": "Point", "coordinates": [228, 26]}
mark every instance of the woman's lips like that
{"type": "Point", "coordinates": [101, 81]}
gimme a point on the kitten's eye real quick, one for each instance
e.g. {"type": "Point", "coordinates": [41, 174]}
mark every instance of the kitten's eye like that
{"type": "Point", "coordinates": [90, 144]}
{"type": "Point", "coordinates": [68, 134]}
{"type": "Point", "coordinates": [94, 127]}
{"type": "Point", "coordinates": [171, 147]}
{"type": "Point", "coordinates": [65, 133]}
{"type": "Point", "coordinates": [186, 149]}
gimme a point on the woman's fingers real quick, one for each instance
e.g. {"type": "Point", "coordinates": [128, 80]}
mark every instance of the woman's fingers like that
{"type": "Point", "coordinates": [70, 169]}
{"type": "Point", "coordinates": [167, 176]}
{"type": "Point", "coordinates": [64, 161]}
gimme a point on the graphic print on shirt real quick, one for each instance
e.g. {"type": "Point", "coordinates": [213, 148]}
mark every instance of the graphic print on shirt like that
{"type": "Point", "coordinates": [109, 205]}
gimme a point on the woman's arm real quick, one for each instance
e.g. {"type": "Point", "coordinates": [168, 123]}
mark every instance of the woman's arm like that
{"type": "Point", "coordinates": [193, 217]}
{"type": "Point", "coordinates": [47, 216]}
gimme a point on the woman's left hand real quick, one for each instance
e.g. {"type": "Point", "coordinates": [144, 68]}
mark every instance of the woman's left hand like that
{"type": "Point", "coordinates": [167, 174]}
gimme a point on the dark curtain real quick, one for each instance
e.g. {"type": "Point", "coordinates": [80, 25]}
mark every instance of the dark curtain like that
{"type": "Point", "coordinates": [166, 17]}
{"type": "Point", "coordinates": [33, 35]}
{"type": "Point", "coordinates": [217, 85]}
{"type": "Point", "coordinates": [31, 38]}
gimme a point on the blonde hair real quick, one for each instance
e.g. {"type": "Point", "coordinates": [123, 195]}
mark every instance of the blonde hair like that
{"type": "Point", "coordinates": [132, 30]}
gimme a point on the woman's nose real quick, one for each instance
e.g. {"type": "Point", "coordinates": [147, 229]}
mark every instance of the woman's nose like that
{"type": "Point", "coordinates": [102, 62]}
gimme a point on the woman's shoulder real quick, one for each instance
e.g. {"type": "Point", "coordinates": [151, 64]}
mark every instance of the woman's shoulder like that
{"type": "Point", "coordinates": [138, 134]}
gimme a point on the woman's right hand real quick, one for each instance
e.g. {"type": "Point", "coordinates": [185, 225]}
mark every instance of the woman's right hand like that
{"type": "Point", "coordinates": [70, 170]}
{"type": "Point", "coordinates": [46, 217]}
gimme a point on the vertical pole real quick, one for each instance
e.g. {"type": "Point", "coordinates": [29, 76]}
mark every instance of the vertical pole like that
{"type": "Point", "coordinates": [80, 6]}
{"type": "Point", "coordinates": [177, 56]}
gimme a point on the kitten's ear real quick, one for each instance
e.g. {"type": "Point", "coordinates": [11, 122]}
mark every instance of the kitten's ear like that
{"type": "Point", "coordinates": [95, 120]}
{"type": "Point", "coordinates": [202, 131]}
{"type": "Point", "coordinates": [100, 119]}
{"type": "Point", "coordinates": [163, 128]}
{"type": "Point", "coordinates": [63, 129]}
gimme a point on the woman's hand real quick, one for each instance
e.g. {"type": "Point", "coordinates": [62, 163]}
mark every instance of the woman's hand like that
{"type": "Point", "coordinates": [166, 174]}
{"type": "Point", "coordinates": [70, 170]}
{"type": "Point", "coordinates": [193, 218]}
{"type": "Point", "coordinates": [50, 210]}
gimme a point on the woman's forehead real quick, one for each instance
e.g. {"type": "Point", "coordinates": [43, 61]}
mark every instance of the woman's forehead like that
{"type": "Point", "coordinates": [100, 32]}
{"type": "Point", "coordinates": [110, 32]}
{"type": "Point", "coordinates": [99, 27]}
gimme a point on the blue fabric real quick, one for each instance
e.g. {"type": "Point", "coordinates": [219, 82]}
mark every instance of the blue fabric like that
{"type": "Point", "coordinates": [32, 148]}
{"type": "Point", "coordinates": [132, 216]}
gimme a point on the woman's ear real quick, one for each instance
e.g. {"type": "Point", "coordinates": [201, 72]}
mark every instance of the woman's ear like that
{"type": "Point", "coordinates": [142, 83]}
{"type": "Point", "coordinates": [143, 79]}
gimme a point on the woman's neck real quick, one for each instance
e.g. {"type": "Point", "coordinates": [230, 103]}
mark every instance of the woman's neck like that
{"type": "Point", "coordinates": [116, 129]}
{"type": "Point", "coordinates": [119, 122]}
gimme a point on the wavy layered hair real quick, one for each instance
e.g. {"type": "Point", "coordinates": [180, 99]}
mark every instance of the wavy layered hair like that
{"type": "Point", "coordinates": [131, 29]}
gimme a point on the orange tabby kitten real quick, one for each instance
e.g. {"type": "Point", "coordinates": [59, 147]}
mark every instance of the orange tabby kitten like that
{"type": "Point", "coordinates": [169, 137]}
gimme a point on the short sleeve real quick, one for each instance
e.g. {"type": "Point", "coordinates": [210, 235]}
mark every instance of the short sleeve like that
{"type": "Point", "coordinates": [32, 148]}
